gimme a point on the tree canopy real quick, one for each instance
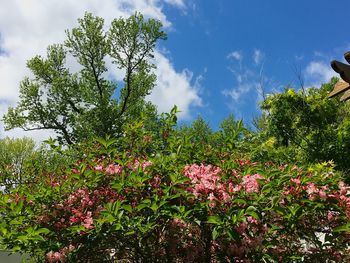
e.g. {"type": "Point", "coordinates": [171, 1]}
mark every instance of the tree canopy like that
{"type": "Point", "coordinates": [83, 104]}
{"type": "Point", "coordinates": [308, 123]}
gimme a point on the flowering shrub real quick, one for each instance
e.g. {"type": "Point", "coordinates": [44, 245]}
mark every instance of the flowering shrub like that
{"type": "Point", "coordinates": [147, 203]}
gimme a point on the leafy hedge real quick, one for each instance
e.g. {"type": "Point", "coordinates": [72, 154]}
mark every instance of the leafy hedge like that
{"type": "Point", "coordinates": [141, 198]}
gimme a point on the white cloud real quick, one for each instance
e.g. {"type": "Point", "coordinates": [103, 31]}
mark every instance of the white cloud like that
{"type": "Point", "coordinates": [237, 55]}
{"type": "Point", "coordinates": [258, 56]}
{"type": "Point", "coordinates": [249, 82]}
{"type": "Point", "coordinates": [240, 90]}
{"type": "Point", "coordinates": [178, 3]}
{"type": "Point", "coordinates": [28, 27]}
{"type": "Point", "coordinates": [174, 88]}
{"type": "Point", "coordinates": [299, 57]}
{"type": "Point", "coordinates": [318, 72]}
{"type": "Point", "coordinates": [246, 81]}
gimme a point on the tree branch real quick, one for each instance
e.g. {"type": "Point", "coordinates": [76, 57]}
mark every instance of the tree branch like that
{"type": "Point", "coordinates": [128, 92]}
{"type": "Point", "coordinates": [71, 103]}
{"type": "Point", "coordinates": [91, 62]}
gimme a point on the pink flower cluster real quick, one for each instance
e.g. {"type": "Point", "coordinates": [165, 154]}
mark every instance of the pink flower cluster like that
{"type": "Point", "coordinates": [111, 169]}
{"type": "Point", "coordinates": [344, 198]}
{"type": "Point", "coordinates": [333, 216]}
{"type": "Point", "coordinates": [295, 188]}
{"type": "Point", "coordinates": [250, 183]}
{"type": "Point", "coordinates": [155, 182]}
{"type": "Point", "coordinates": [82, 196]}
{"type": "Point", "coordinates": [80, 217]}
{"type": "Point", "coordinates": [314, 191]}
{"type": "Point", "coordinates": [136, 164]}
{"type": "Point", "coordinates": [176, 222]}
{"type": "Point", "coordinates": [242, 162]}
{"type": "Point", "coordinates": [79, 207]}
{"type": "Point", "coordinates": [60, 256]}
{"type": "Point", "coordinates": [205, 182]}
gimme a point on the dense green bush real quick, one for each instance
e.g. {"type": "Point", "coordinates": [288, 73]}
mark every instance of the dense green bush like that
{"type": "Point", "coordinates": [141, 198]}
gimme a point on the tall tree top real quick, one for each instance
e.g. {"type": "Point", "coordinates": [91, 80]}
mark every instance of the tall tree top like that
{"type": "Point", "coordinates": [83, 104]}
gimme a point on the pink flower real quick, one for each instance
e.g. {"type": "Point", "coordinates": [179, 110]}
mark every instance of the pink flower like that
{"type": "Point", "coordinates": [212, 204]}
{"type": "Point", "coordinates": [212, 197]}
{"type": "Point", "coordinates": [205, 182]}
{"type": "Point", "coordinates": [311, 189]}
{"type": "Point", "coordinates": [113, 169]}
{"type": "Point", "coordinates": [136, 164]}
{"type": "Point", "coordinates": [213, 200]}
{"type": "Point", "coordinates": [146, 164]}
{"type": "Point", "coordinates": [241, 228]}
{"type": "Point", "coordinates": [234, 189]}
{"type": "Point", "coordinates": [75, 171]}
{"type": "Point", "coordinates": [66, 250]}
{"type": "Point", "coordinates": [177, 222]}
{"type": "Point", "coordinates": [295, 180]}
{"type": "Point", "coordinates": [342, 187]}
{"type": "Point", "coordinates": [88, 221]}
{"type": "Point", "coordinates": [252, 220]}
{"type": "Point", "coordinates": [332, 215]}
{"type": "Point", "coordinates": [55, 257]}
{"type": "Point", "coordinates": [250, 183]}
{"type": "Point", "coordinates": [155, 182]}
{"type": "Point", "coordinates": [243, 162]}
{"type": "Point", "coordinates": [225, 197]}
{"type": "Point", "coordinates": [99, 168]}
{"type": "Point", "coordinates": [322, 192]}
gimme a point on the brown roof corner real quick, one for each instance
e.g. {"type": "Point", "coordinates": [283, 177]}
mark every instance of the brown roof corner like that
{"type": "Point", "coordinates": [339, 87]}
{"type": "Point", "coordinates": [345, 96]}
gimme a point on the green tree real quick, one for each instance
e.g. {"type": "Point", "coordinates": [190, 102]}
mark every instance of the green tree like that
{"type": "Point", "coordinates": [80, 105]}
{"type": "Point", "coordinates": [314, 126]}
{"type": "Point", "coordinates": [14, 153]}
{"type": "Point", "coordinates": [232, 133]}
{"type": "Point", "coordinates": [198, 139]}
{"type": "Point", "coordinates": [21, 162]}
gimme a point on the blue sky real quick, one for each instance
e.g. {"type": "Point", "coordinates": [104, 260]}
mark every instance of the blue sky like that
{"type": "Point", "coordinates": [290, 37]}
{"type": "Point", "coordinates": [219, 56]}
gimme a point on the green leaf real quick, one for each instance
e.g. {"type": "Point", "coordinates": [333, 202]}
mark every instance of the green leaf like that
{"type": "Point", "coordinates": [253, 214]}
{"type": "Point", "coordinates": [127, 208]}
{"type": "Point", "coordinates": [22, 238]}
{"type": "Point", "coordinates": [233, 235]}
{"type": "Point", "coordinates": [215, 233]}
{"type": "Point", "coordinates": [154, 206]}
{"type": "Point", "coordinates": [343, 228]}
{"type": "Point", "coordinates": [141, 206]}
{"type": "Point", "coordinates": [214, 220]}
{"type": "Point", "coordinates": [42, 231]}
{"type": "Point", "coordinates": [294, 209]}
{"type": "Point", "coordinates": [251, 210]}
{"type": "Point", "coordinates": [274, 202]}
{"type": "Point", "coordinates": [187, 213]}
{"type": "Point", "coordinates": [266, 188]}
{"type": "Point", "coordinates": [239, 201]}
